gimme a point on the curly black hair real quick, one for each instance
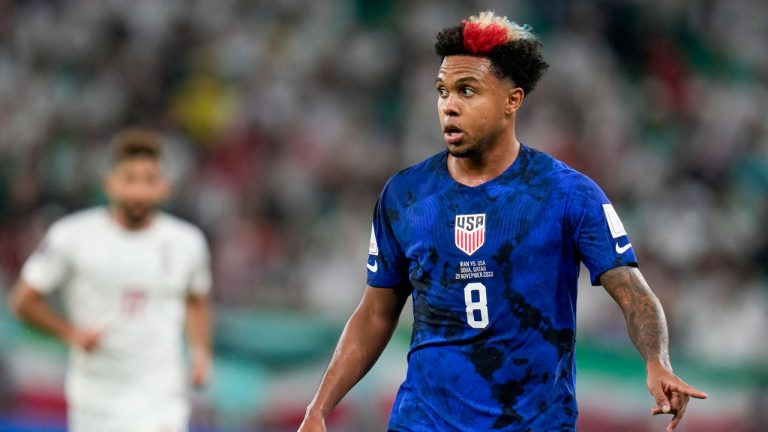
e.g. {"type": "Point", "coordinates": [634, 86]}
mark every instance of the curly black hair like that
{"type": "Point", "coordinates": [519, 60]}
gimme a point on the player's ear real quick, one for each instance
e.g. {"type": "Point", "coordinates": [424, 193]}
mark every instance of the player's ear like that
{"type": "Point", "coordinates": [515, 96]}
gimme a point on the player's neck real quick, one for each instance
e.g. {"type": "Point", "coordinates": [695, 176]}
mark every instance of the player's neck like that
{"type": "Point", "coordinates": [474, 171]}
{"type": "Point", "coordinates": [128, 223]}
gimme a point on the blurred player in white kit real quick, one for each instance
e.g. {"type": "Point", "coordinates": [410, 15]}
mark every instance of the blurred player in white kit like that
{"type": "Point", "coordinates": [132, 278]}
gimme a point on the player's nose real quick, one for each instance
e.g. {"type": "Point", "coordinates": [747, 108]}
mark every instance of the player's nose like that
{"type": "Point", "coordinates": [449, 107]}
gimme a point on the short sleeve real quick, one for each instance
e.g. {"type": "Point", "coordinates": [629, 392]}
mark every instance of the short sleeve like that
{"type": "Point", "coordinates": [200, 279]}
{"type": "Point", "coordinates": [387, 265]}
{"type": "Point", "coordinates": [48, 267]}
{"type": "Point", "coordinates": [597, 231]}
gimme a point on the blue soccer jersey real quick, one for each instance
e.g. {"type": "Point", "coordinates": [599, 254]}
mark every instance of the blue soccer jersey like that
{"type": "Point", "coordinates": [493, 273]}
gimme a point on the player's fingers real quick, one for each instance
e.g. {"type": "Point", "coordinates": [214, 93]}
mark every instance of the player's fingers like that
{"type": "Point", "coordinates": [94, 338]}
{"type": "Point", "coordinates": [200, 378]}
{"type": "Point", "coordinates": [97, 337]}
{"type": "Point", "coordinates": [200, 373]}
{"type": "Point", "coordinates": [661, 399]}
{"type": "Point", "coordinates": [87, 340]}
{"type": "Point", "coordinates": [688, 390]}
{"type": "Point", "coordinates": [90, 346]}
{"type": "Point", "coordinates": [678, 401]}
{"type": "Point", "coordinates": [196, 377]}
{"type": "Point", "coordinates": [672, 425]}
{"type": "Point", "coordinates": [197, 381]}
{"type": "Point", "coordinates": [676, 419]}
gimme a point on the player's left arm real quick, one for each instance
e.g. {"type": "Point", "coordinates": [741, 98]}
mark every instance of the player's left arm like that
{"type": "Point", "coordinates": [647, 328]}
{"type": "Point", "coordinates": [198, 327]}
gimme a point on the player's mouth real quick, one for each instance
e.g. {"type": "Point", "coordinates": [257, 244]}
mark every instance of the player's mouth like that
{"type": "Point", "coordinates": [452, 134]}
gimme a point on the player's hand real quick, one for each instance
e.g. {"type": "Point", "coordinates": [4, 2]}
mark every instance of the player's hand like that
{"type": "Point", "coordinates": [312, 423]}
{"type": "Point", "coordinates": [85, 339]}
{"type": "Point", "coordinates": [670, 392]}
{"type": "Point", "coordinates": [200, 368]}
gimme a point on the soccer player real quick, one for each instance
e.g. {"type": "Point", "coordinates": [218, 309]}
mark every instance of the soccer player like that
{"type": "Point", "coordinates": [130, 277]}
{"type": "Point", "coordinates": [487, 237]}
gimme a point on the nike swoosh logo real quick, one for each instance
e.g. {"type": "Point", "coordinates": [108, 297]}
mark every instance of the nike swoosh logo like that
{"type": "Point", "coordinates": [622, 249]}
{"type": "Point", "coordinates": [373, 268]}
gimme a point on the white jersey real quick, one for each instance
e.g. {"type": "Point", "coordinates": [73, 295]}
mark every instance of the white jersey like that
{"type": "Point", "coordinates": [134, 285]}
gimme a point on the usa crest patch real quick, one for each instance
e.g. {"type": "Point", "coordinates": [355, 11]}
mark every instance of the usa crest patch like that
{"type": "Point", "coordinates": [469, 232]}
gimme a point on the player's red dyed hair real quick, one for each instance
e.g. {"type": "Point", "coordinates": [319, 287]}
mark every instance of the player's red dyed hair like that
{"type": "Point", "coordinates": [512, 48]}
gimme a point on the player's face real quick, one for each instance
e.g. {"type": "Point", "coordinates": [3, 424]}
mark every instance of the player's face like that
{"type": "Point", "coordinates": [472, 104]}
{"type": "Point", "coordinates": [136, 186]}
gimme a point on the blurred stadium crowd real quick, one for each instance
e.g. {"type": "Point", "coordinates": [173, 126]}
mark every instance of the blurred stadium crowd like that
{"type": "Point", "coordinates": [284, 119]}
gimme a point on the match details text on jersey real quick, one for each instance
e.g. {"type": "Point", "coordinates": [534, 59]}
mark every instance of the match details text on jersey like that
{"type": "Point", "coordinates": [473, 270]}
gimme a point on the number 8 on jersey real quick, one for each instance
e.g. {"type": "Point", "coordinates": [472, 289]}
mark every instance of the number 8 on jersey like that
{"type": "Point", "coordinates": [476, 307]}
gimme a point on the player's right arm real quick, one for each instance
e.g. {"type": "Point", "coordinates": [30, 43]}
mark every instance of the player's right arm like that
{"type": "Point", "coordinates": [46, 269]}
{"type": "Point", "coordinates": [365, 336]}
{"type": "Point", "coordinates": [31, 306]}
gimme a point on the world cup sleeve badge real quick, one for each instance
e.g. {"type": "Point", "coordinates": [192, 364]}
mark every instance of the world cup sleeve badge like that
{"type": "Point", "coordinates": [616, 227]}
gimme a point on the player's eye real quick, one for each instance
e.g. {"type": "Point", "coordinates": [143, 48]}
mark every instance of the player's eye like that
{"type": "Point", "coordinates": [442, 92]}
{"type": "Point", "coordinates": [467, 91]}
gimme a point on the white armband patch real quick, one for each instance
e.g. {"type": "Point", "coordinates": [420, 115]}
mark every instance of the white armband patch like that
{"type": "Point", "coordinates": [373, 246]}
{"type": "Point", "coordinates": [614, 223]}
